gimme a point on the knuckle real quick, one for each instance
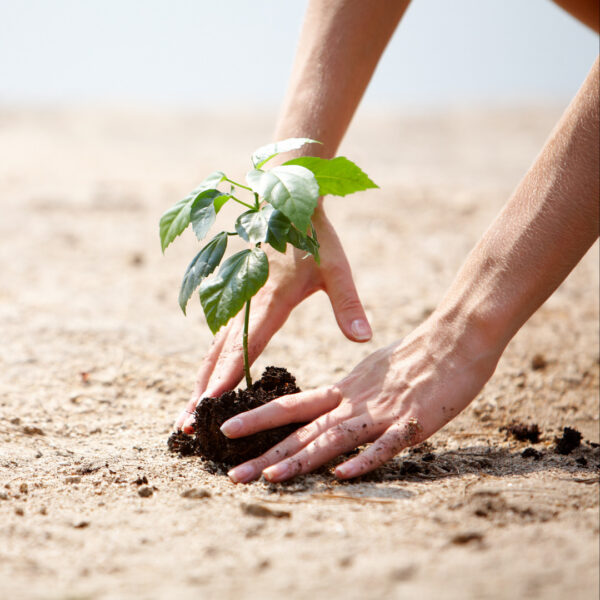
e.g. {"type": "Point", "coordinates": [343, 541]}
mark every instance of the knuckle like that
{"type": "Point", "coordinates": [336, 437]}
{"type": "Point", "coordinates": [332, 394]}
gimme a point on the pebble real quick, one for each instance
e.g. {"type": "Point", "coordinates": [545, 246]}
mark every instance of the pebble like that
{"type": "Point", "coordinates": [146, 491]}
{"type": "Point", "coordinates": [196, 493]}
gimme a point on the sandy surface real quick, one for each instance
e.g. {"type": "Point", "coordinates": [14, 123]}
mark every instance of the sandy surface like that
{"type": "Point", "coordinates": [96, 359]}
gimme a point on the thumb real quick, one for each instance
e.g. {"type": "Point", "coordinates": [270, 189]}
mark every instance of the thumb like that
{"type": "Point", "coordinates": [347, 307]}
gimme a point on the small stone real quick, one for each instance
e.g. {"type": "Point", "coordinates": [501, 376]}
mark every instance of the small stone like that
{"type": "Point", "coordinates": [3, 496]}
{"type": "Point", "coordinates": [16, 421]}
{"type": "Point", "coordinates": [141, 480]}
{"type": "Point", "coordinates": [258, 510]}
{"type": "Point", "coordinates": [33, 430]}
{"type": "Point", "coordinates": [466, 538]}
{"type": "Point", "coordinates": [145, 492]}
{"type": "Point", "coordinates": [538, 362]}
{"type": "Point", "coordinates": [196, 494]}
{"type": "Point", "coordinates": [73, 479]}
{"type": "Point", "coordinates": [19, 511]}
{"type": "Point", "coordinates": [81, 524]}
{"type": "Point", "coordinates": [24, 488]}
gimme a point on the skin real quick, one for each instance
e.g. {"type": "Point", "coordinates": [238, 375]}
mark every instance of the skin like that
{"type": "Point", "coordinates": [402, 394]}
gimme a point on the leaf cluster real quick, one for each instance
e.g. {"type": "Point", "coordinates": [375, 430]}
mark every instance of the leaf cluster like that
{"type": "Point", "coordinates": [279, 213]}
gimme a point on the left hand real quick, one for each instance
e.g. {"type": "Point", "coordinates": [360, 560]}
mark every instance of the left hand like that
{"type": "Point", "coordinates": [396, 397]}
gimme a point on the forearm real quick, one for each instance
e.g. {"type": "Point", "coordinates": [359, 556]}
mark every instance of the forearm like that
{"type": "Point", "coordinates": [546, 227]}
{"type": "Point", "coordinates": [340, 45]}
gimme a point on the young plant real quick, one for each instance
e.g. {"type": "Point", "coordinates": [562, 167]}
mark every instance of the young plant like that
{"type": "Point", "coordinates": [278, 212]}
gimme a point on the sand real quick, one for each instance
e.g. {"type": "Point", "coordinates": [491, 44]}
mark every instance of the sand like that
{"type": "Point", "coordinates": [96, 359]}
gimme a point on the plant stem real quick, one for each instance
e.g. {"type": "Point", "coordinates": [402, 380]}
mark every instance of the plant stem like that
{"type": "Point", "coordinates": [245, 344]}
{"type": "Point", "coordinates": [240, 185]}
{"type": "Point", "coordinates": [242, 202]}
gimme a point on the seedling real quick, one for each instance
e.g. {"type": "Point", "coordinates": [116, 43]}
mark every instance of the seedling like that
{"type": "Point", "coordinates": [278, 209]}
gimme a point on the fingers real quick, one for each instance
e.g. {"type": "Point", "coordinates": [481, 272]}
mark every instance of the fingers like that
{"type": "Point", "coordinates": [295, 408]}
{"type": "Point", "coordinates": [293, 443]}
{"type": "Point", "coordinates": [336, 440]}
{"type": "Point", "coordinates": [306, 449]}
{"type": "Point", "coordinates": [395, 438]}
{"type": "Point", "coordinates": [347, 307]}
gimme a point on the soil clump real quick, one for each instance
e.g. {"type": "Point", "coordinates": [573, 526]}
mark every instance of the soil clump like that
{"type": "Point", "coordinates": [523, 432]}
{"type": "Point", "coordinates": [208, 441]}
{"type": "Point", "coordinates": [570, 439]}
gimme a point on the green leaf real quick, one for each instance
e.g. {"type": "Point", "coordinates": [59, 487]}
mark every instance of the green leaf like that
{"type": "Point", "coordinates": [174, 221]}
{"type": "Point", "coordinates": [304, 242]}
{"type": "Point", "coordinates": [220, 201]}
{"type": "Point", "coordinates": [278, 227]}
{"type": "Point", "coordinates": [338, 176]}
{"type": "Point", "coordinates": [212, 181]}
{"type": "Point", "coordinates": [291, 189]}
{"type": "Point", "coordinates": [203, 213]}
{"type": "Point", "coordinates": [252, 226]}
{"type": "Point", "coordinates": [203, 264]}
{"type": "Point", "coordinates": [238, 279]}
{"type": "Point", "coordinates": [266, 153]}
{"type": "Point", "coordinates": [267, 225]}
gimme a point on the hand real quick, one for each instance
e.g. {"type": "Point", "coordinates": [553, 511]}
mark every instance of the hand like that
{"type": "Point", "coordinates": [397, 397]}
{"type": "Point", "coordinates": [292, 279]}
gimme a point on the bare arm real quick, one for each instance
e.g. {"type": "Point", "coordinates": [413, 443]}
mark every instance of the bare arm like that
{"type": "Point", "coordinates": [402, 394]}
{"type": "Point", "coordinates": [340, 45]}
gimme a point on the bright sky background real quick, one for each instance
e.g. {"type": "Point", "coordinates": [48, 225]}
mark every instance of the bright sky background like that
{"type": "Point", "coordinates": [199, 53]}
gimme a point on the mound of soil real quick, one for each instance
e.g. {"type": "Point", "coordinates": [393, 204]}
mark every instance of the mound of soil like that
{"type": "Point", "coordinates": [208, 441]}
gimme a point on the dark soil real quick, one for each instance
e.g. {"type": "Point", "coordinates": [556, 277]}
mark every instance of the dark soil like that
{"type": "Point", "coordinates": [208, 441]}
{"type": "Point", "coordinates": [522, 432]}
{"type": "Point", "coordinates": [571, 439]}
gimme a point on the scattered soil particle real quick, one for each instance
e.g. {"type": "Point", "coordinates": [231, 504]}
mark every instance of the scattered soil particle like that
{"type": "Point", "coordinates": [467, 537]}
{"type": "Point", "coordinates": [259, 510]}
{"type": "Point", "coordinates": [410, 467]}
{"type": "Point", "coordinates": [141, 480]}
{"type": "Point", "coordinates": [531, 453]}
{"type": "Point", "coordinates": [3, 496]}
{"type": "Point", "coordinates": [33, 430]}
{"type": "Point", "coordinates": [523, 432]}
{"type": "Point", "coordinates": [24, 488]}
{"type": "Point", "coordinates": [196, 493]}
{"type": "Point", "coordinates": [19, 511]}
{"type": "Point", "coordinates": [570, 439]}
{"type": "Point", "coordinates": [81, 525]}
{"type": "Point", "coordinates": [91, 467]}
{"type": "Point", "coordinates": [145, 492]}
{"type": "Point", "coordinates": [211, 413]}
{"type": "Point", "coordinates": [582, 460]}
{"type": "Point", "coordinates": [429, 457]}
{"type": "Point", "coordinates": [539, 362]}
{"type": "Point", "coordinates": [73, 479]}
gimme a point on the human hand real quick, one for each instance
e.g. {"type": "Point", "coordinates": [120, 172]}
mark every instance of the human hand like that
{"type": "Point", "coordinates": [293, 277]}
{"type": "Point", "coordinates": [396, 397]}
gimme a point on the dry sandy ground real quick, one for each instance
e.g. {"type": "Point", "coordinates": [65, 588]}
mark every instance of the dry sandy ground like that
{"type": "Point", "coordinates": [96, 359]}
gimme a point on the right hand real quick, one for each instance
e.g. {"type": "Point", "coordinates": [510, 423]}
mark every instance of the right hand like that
{"type": "Point", "coordinates": [292, 278]}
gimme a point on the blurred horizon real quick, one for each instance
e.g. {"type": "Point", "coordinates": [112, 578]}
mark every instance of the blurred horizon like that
{"type": "Point", "coordinates": [216, 56]}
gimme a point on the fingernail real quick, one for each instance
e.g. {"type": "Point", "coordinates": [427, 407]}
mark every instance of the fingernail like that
{"type": "Point", "coordinates": [231, 427]}
{"type": "Point", "coordinates": [189, 424]}
{"type": "Point", "coordinates": [277, 472]}
{"type": "Point", "coordinates": [360, 330]}
{"type": "Point", "coordinates": [241, 474]}
{"type": "Point", "coordinates": [346, 471]}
